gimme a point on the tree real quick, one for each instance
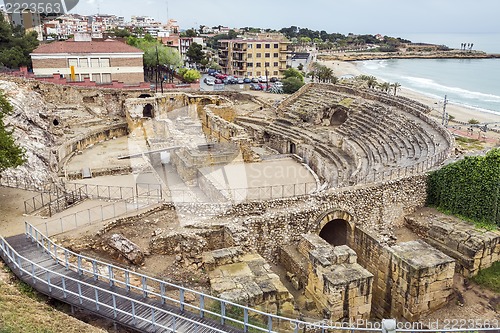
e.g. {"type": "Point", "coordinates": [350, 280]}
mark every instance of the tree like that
{"type": "Point", "coordinates": [292, 72]}
{"type": "Point", "coordinates": [16, 45]}
{"type": "Point", "coordinates": [384, 86]}
{"type": "Point", "coordinates": [371, 81]}
{"type": "Point", "coordinates": [121, 32]}
{"type": "Point", "coordinates": [195, 53]}
{"type": "Point", "coordinates": [189, 33]}
{"type": "Point", "coordinates": [191, 75]}
{"type": "Point", "coordinates": [473, 121]}
{"type": "Point", "coordinates": [395, 86]}
{"type": "Point", "coordinates": [11, 155]}
{"type": "Point", "coordinates": [166, 56]}
{"type": "Point", "coordinates": [292, 84]}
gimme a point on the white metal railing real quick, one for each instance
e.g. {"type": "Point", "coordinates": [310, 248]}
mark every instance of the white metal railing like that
{"type": "Point", "coordinates": [225, 312]}
{"type": "Point", "coordinates": [26, 266]}
{"type": "Point", "coordinates": [95, 214]}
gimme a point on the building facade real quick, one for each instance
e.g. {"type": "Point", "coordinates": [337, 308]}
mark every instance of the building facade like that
{"type": "Point", "coordinates": [253, 57]}
{"type": "Point", "coordinates": [84, 59]}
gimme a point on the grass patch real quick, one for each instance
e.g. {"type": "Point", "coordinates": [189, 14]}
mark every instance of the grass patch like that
{"type": "Point", "coordinates": [469, 143]}
{"type": "Point", "coordinates": [482, 225]}
{"type": "Point", "coordinates": [346, 102]}
{"type": "Point", "coordinates": [23, 309]}
{"type": "Point", "coordinates": [489, 277]}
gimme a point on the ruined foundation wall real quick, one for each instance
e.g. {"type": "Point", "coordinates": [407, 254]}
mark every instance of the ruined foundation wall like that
{"type": "Point", "coordinates": [473, 249]}
{"type": "Point", "coordinates": [84, 141]}
{"type": "Point", "coordinates": [403, 288]}
{"type": "Point", "coordinates": [376, 207]}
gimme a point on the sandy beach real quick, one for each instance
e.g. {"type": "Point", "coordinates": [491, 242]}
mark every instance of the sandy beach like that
{"type": "Point", "coordinates": [460, 113]}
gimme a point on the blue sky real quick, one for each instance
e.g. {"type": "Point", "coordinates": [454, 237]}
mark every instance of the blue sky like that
{"type": "Point", "coordinates": [357, 16]}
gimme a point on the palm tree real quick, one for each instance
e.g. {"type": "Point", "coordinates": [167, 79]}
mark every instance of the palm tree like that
{"type": "Point", "coordinates": [371, 81]}
{"type": "Point", "coordinates": [395, 86]}
{"type": "Point", "coordinates": [385, 86]}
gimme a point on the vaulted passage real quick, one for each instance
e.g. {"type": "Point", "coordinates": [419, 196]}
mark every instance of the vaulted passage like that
{"type": "Point", "coordinates": [147, 111]}
{"type": "Point", "coordinates": [335, 232]}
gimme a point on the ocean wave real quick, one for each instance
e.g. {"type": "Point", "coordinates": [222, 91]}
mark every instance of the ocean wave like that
{"type": "Point", "coordinates": [464, 93]}
{"type": "Point", "coordinates": [374, 64]}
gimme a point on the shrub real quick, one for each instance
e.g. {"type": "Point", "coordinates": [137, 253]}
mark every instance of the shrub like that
{"type": "Point", "coordinates": [291, 85]}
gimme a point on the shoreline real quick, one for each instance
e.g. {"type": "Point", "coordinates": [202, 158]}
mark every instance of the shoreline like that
{"type": "Point", "coordinates": [461, 113]}
{"type": "Point", "coordinates": [354, 56]}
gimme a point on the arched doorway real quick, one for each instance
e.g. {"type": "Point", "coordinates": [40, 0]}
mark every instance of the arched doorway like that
{"type": "Point", "coordinates": [336, 226]}
{"type": "Point", "coordinates": [147, 111]}
{"type": "Point", "coordinates": [293, 148]}
{"type": "Point", "coordinates": [335, 232]}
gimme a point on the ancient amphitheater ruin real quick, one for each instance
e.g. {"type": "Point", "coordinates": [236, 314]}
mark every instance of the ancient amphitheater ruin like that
{"type": "Point", "coordinates": [292, 207]}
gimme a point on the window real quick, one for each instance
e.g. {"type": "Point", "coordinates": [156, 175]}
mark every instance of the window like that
{"type": "Point", "coordinates": [250, 46]}
{"type": "Point", "coordinates": [276, 46]}
{"type": "Point", "coordinates": [268, 46]}
{"type": "Point", "coordinates": [259, 55]}
{"type": "Point", "coordinates": [249, 56]}
{"type": "Point", "coordinates": [259, 46]}
{"type": "Point", "coordinates": [275, 64]}
{"type": "Point", "coordinates": [268, 55]}
{"type": "Point", "coordinates": [94, 62]}
{"type": "Point", "coordinates": [275, 73]}
{"type": "Point", "coordinates": [72, 62]}
{"type": "Point", "coordinates": [258, 73]}
{"type": "Point", "coordinates": [104, 62]}
{"type": "Point", "coordinates": [249, 73]}
{"type": "Point", "coordinates": [276, 55]}
{"type": "Point", "coordinates": [84, 63]}
{"type": "Point", "coordinates": [249, 64]}
{"type": "Point", "coordinates": [106, 78]}
{"type": "Point", "coordinates": [96, 78]}
{"type": "Point", "coordinates": [257, 64]}
{"type": "Point", "coordinates": [267, 64]}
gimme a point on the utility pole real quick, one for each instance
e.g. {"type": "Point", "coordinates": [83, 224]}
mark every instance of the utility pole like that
{"type": "Point", "coordinates": [444, 121]}
{"type": "Point", "coordinates": [158, 72]}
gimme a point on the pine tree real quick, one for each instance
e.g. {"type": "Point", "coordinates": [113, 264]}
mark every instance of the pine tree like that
{"type": "Point", "coordinates": [11, 155]}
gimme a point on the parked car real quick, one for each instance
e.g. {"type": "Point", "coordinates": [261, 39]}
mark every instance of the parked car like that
{"type": "Point", "coordinates": [262, 79]}
{"type": "Point", "coordinates": [209, 81]}
{"type": "Point", "coordinates": [247, 80]}
{"type": "Point", "coordinates": [278, 84]}
{"type": "Point", "coordinates": [240, 81]}
{"type": "Point", "coordinates": [255, 86]}
{"type": "Point", "coordinates": [273, 79]}
{"type": "Point", "coordinates": [218, 81]}
{"type": "Point", "coordinates": [255, 80]}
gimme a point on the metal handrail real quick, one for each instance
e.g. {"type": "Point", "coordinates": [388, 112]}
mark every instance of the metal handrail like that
{"type": "Point", "coordinates": [51, 248]}
{"type": "Point", "coordinates": [294, 324]}
{"type": "Point", "coordinates": [17, 259]}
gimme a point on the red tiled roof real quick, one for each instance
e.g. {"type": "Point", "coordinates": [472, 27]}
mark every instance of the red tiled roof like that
{"type": "Point", "coordinates": [107, 46]}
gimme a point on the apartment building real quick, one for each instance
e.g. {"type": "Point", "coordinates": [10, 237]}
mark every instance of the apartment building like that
{"type": "Point", "coordinates": [254, 57]}
{"type": "Point", "coordinates": [83, 58]}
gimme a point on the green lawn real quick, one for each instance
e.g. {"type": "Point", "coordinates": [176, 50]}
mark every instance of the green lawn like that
{"type": "Point", "coordinates": [489, 277]}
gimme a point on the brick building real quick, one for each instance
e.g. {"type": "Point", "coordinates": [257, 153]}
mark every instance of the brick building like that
{"type": "Point", "coordinates": [253, 57]}
{"type": "Point", "coordinates": [99, 61]}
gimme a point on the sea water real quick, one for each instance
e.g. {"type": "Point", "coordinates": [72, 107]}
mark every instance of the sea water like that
{"type": "Point", "coordinates": [471, 82]}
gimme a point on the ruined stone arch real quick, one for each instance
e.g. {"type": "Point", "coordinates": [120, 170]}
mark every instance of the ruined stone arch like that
{"type": "Point", "coordinates": [336, 226]}
{"type": "Point", "coordinates": [147, 111]}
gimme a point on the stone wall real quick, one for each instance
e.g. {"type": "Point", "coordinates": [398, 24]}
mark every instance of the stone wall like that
{"type": "Point", "coordinates": [379, 207]}
{"type": "Point", "coordinates": [246, 278]}
{"type": "Point", "coordinates": [473, 249]}
{"type": "Point", "coordinates": [419, 279]}
{"type": "Point", "coordinates": [410, 279]}
{"type": "Point", "coordinates": [339, 286]}
{"type": "Point", "coordinates": [82, 142]}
